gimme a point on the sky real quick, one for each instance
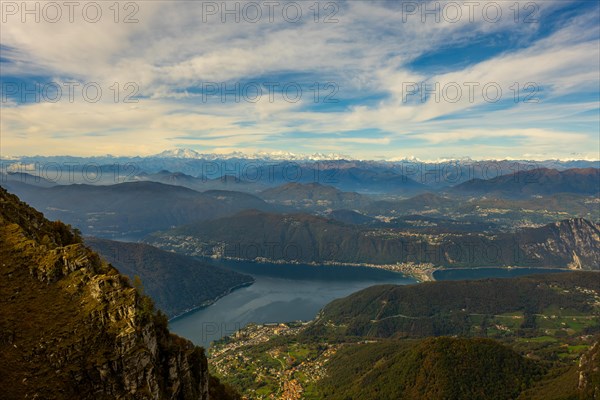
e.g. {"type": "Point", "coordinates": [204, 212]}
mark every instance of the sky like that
{"type": "Point", "coordinates": [368, 79]}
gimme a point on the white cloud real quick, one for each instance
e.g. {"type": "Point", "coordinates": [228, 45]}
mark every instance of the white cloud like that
{"type": "Point", "coordinates": [367, 53]}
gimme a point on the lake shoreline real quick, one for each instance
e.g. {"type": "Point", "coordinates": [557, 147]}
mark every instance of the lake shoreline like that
{"type": "Point", "coordinates": [420, 272]}
{"type": "Point", "coordinates": [544, 270]}
{"type": "Point", "coordinates": [408, 270]}
{"type": "Point", "coordinates": [210, 302]}
{"type": "Point", "coordinates": [298, 292]}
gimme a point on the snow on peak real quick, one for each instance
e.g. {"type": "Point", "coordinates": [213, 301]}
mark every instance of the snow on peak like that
{"type": "Point", "coordinates": [262, 155]}
{"type": "Point", "coordinates": [178, 153]}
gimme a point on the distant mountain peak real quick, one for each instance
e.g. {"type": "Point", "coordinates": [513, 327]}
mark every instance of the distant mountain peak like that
{"type": "Point", "coordinates": [286, 155]}
{"type": "Point", "coordinates": [261, 155]}
{"type": "Point", "coordinates": [178, 153]}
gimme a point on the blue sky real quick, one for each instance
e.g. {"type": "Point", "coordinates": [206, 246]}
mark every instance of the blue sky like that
{"type": "Point", "coordinates": [373, 80]}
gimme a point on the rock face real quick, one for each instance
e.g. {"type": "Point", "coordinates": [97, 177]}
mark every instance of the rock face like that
{"type": "Point", "coordinates": [72, 327]}
{"type": "Point", "coordinates": [574, 242]}
{"type": "Point", "coordinates": [589, 372]}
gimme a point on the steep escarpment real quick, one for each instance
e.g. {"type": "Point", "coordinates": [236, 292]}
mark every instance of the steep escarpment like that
{"type": "Point", "coordinates": [579, 381]}
{"type": "Point", "coordinates": [72, 327]}
{"type": "Point", "coordinates": [575, 242]}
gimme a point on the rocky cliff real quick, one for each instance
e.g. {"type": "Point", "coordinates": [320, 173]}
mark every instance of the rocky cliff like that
{"type": "Point", "coordinates": [72, 327]}
{"type": "Point", "coordinates": [574, 242]}
{"type": "Point", "coordinates": [589, 372]}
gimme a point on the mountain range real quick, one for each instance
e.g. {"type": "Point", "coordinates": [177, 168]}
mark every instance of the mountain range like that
{"type": "Point", "coordinates": [538, 182]}
{"type": "Point", "coordinates": [341, 172]}
{"type": "Point", "coordinates": [90, 333]}
{"type": "Point", "coordinates": [132, 209]}
{"type": "Point", "coordinates": [201, 183]}
{"type": "Point", "coordinates": [277, 155]}
{"type": "Point", "coordinates": [187, 153]}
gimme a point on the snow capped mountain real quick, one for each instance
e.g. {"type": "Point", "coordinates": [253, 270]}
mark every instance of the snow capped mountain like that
{"type": "Point", "coordinates": [286, 155]}
{"type": "Point", "coordinates": [178, 153]}
{"type": "Point", "coordinates": [262, 155]}
{"type": "Point", "coordinates": [181, 156]}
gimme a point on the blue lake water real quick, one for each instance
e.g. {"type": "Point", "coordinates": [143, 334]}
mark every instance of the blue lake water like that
{"type": "Point", "coordinates": [483, 273]}
{"type": "Point", "coordinates": [291, 292]}
{"type": "Point", "coordinates": [281, 293]}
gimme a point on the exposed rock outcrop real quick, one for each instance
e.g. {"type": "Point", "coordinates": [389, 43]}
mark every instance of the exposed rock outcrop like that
{"type": "Point", "coordinates": [72, 327]}
{"type": "Point", "coordinates": [574, 242]}
{"type": "Point", "coordinates": [589, 373]}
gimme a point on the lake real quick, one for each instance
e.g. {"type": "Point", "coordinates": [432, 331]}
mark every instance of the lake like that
{"type": "Point", "coordinates": [281, 293]}
{"type": "Point", "coordinates": [291, 292]}
{"type": "Point", "coordinates": [483, 273]}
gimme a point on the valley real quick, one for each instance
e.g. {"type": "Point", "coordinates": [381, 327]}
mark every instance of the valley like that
{"type": "Point", "coordinates": [294, 288]}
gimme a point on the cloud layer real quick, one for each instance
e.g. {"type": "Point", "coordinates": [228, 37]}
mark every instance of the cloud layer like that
{"type": "Point", "coordinates": [371, 79]}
